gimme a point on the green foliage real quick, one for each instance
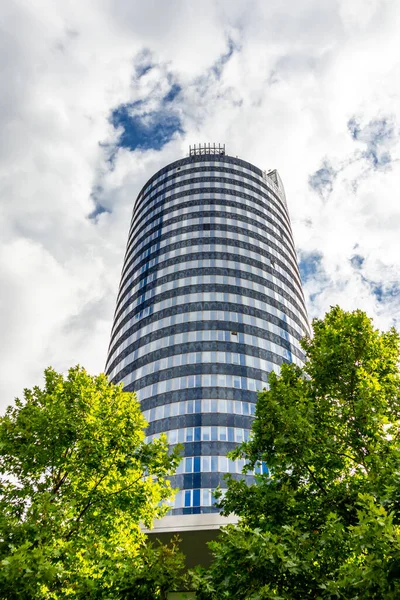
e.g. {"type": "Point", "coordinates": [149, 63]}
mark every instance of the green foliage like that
{"type": "Point", "coordinates": [77, 482]}
{"type": "Point", "coordinates": [326, 522]}
{"type": "Point", "coordinates": [155, 572]}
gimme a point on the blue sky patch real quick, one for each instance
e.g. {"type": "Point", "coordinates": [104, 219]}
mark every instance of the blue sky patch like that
{"type": "Point", "coordinates": [143, 63]}
{"type": "Point", "coordinates": [219, 65]}
{"type": "Point", "coordinates": [383, 291]}
{"type": "Point", "coordinates": [309, 265]}
{"type": "Point", "coordinates": [146, 130]}
{"type": "Point", "coordinates": [173, 93]}
{"type": "Point", "coordinates": [357, 261]}
{"type": "Point", "coordinates": [377, 135]}
{"type": "Point", "coordinates": [377, 290]}
{"type": "Point", "coordinates": [142, 70]}
{"type": "Point", "coordinates": [354, 128]}
{"type": "Point", "coordinates": [322, 180]}
{"type": "Point", "coordinates": [98, 210]}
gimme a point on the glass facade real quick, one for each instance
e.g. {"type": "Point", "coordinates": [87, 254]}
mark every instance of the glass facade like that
{"type": "Point", "coordinates": [210, 302]}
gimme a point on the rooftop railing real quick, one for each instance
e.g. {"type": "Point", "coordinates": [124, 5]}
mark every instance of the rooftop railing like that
{"type": "Point", "coordinates": [209, 148]}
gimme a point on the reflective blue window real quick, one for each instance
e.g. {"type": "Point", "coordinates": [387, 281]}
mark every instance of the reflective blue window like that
{"type": "Point", "coordinates": [196, 497]}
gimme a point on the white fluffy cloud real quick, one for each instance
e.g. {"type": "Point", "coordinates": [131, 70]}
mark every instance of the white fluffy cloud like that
{"type": "Point", "coordinates": [310, 88]}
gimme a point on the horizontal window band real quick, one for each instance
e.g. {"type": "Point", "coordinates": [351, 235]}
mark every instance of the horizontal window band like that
{"type": "Point", "coordinates": [248, 306]}
{"type": "Point", "coordinates": [198, 161]}
{"type": "Point", "coordinates": [173, 265]}
{"type": "Point", "coordinates": [208, 243]}
{"type": "Point", "coordinates": [242, 221]}
{"type": "Point", "coordinates": [182, 395]}
{"type": "Point", "coordinates": [216, 205]}
{"type": "Point", "coordinates": [209, 433]}
{"type": "Point", "coordinates": [233, 274]}
{"type": "Point", "coordinates": [179, 355]}
{"type": "Point", "coordinates": [205, 342]}
{"type": "Point", "coordinates": [207, 448]}
{"type": "Point", "coordinates": [221, 200]}
{"type": "Point", "coordinates": [200, 406]}
{"type": "Point", "coordinates": [215, 198]}
{"type": "Point", "coordinates": [207, 184]}
{"type": "Point", "coordinates": [196, 465]}
{"type": "Point", "coordinates": [281, 256]}
{"type": "Point", "coordinates": [201, 510]}
{"type": "Point", "coordinates": [197, 420]}
{"type": "Point", "coordinates": [217, 288]}
{"type": "Point", "coordinates": [226, 248]}
{"type": "Point", "coordinates": [213, 479]}
{"type": "Point", "coordinates": [207, 381]}
{"type": "Point", "coordinates": [232, 344]}
{"type": "Point", "coordinates": [173, 175]}
{"type": "Point", "coordinates": [198, 369]}
{"type": "Point", "coordinates": [195, 307]}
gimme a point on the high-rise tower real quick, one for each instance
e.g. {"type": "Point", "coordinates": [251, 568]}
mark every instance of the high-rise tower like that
{"type": "Point", "coordinates": [210, 302]}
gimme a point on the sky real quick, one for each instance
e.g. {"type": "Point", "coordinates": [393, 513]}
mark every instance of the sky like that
{"type": "Point", "coordinates": [98, 95]}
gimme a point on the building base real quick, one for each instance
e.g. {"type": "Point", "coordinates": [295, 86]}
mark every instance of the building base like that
{"type": "Point", "coordinates": [195, 531]}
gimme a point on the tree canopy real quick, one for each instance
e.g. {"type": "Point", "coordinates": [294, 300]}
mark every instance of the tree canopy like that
{"type": "Point", "coordinates": [77, 482]}
{"type": "Point", "coordinates": [325, 522]}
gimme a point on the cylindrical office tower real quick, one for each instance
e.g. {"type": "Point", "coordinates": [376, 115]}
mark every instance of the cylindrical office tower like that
{"type": "Point", "coordinates": [210, 302]}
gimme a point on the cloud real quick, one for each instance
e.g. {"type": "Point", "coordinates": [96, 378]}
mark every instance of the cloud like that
{"type": "Point", "coordinates": [98, 96]}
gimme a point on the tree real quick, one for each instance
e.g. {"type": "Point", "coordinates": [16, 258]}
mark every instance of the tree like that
{"type": "Point", "coordinates": [77, 482]}
{"type": "Point", "coordinates": [325, 522]}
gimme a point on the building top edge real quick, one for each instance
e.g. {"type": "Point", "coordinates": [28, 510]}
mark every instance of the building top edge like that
{"type": "Point", "coordinates": [272, 174]}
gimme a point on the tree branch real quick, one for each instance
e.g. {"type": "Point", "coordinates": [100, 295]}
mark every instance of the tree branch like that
{"type": "Point", "coordinates": [315, 479]}
{"type": "Point", "coordinates": [59, 483]}
{"type": "Point", "coordinates": [86, 507]}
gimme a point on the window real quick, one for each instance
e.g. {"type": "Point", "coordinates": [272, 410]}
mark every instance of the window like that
{"type": "Point", "coordinates": [206, 434]}
{"type": "Point", "coordinates": [206, 463]}
{"type": "Point", "coordinates": [196, 497]}
{"type": "Point", "coordinates": [187, 497]}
